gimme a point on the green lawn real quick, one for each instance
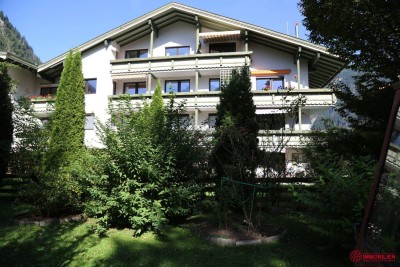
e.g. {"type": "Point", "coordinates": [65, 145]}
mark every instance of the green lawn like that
{"type": "Point", "coordinates": [73, 244]}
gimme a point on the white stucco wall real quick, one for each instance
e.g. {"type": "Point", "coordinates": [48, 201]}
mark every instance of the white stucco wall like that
{"type": "Point", "coordinates": [177, 34]}
{"type": "Point", "coordinates": [266, 58]}
{"type": "Point", "coordinates": [26, 82]}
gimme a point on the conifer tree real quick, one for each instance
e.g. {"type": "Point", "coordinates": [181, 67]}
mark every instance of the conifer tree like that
{"type": "Point", "coordinates": [236, 127]}
{"type": "Point", "coordinates": [6, 131]}
{"type": "Point", "coordinates": [68, 119]}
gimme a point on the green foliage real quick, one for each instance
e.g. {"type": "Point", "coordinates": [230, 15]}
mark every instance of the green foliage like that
{"type": "Point", "coordinates": [68, 118]}
{"type": "Point", "coordinates": [368, 37]}
{"type": "Point", "coordinates": [336, 200]}
{"type": "Point", "coordinates": [236, 128]}
{"type": "Point", "coordinates": [57, 150]}
{"type": "Point", "coordinates": [12, 41]}
{"type": "Point", "coordinates": [30, 142]}
{"type": "Point", "coordinates": [6, 109]}
{"type": "Point", "coordinates": [152, 164]}
{"type": "Point", "coordinates": [369, 40]}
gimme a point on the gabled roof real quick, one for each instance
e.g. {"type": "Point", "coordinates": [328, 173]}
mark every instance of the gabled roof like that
{"type": "Point", "coordinates": [14, 59]}
{"type": "Point", "coordinates": [323, 66]}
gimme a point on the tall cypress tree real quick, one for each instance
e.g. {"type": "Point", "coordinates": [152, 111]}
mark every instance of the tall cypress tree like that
{"type": "Point", "coordinates": [68, 119]}
{"type": "Point", "coordinates": [6, 108]}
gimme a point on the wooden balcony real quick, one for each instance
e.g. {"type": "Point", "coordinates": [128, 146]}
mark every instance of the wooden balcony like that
{"type": "Point", "coordinates": [262, 99]}
{"type": "Point", "coordinates": [275, 139]}
{"type": "Point", "coordinates": [175, 63]}
{"type": "Point", "coordinates": [42, 107]}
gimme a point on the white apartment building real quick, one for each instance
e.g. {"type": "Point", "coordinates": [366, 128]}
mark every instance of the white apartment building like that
{"type": "Point", "coordinates": [190, 51]}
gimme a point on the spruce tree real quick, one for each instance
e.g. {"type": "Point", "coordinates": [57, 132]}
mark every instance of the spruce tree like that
{"type": "Point", "coordinates": [68, 119]}
{"type": "Point", "coordinates": [6, 108]}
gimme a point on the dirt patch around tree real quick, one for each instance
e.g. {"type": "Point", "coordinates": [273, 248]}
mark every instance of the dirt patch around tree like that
{"type": "Point", "coordinates": [237, 234]}
{"type": "Point", "coordinates": [43, 220]}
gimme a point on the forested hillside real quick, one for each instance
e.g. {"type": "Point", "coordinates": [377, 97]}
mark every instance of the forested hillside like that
{"type": "Point", "coordinates": [12, 41]}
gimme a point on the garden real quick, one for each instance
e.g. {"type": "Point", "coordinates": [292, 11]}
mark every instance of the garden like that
{"type": "Point", "coordinates": [161, 192]}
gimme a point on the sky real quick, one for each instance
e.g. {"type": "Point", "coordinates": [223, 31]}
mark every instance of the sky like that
{"type": "Point", "coordinates": [53, 27]}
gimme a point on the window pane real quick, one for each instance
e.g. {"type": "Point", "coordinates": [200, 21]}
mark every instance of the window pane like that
{"type": "Point", "coordinates": [129, 88]}
{"type": "Point", "coordinates": [212, 119]}
{"type": "Point", "coordinates": [131, 54]}
{"type": "Point", "coordinates": [89, 123]}
{"type": "Point", "coordinates": [91, 86]}
{"type": "Point", "coordinates": [277, 84]}
{"type": "Point", "coordinates": [263, 84]}
{"type": "Point", "coordinates": [141, 88]}
{"type": "Point", "coordinates": [185, 86]}
{"type": "Point", "coordinates": [140, 53]}
{"type": "Point", "coordinates": [175, 51]}
{"type": "Point", "coordinates": [143, 53]}
{"type": "Point", "coordinates": [183, 50]}
{"type": "Point", "coordinates": [214, 85]}
{"type": "Point", "coordinates": [171, 86]}
{"type": "Point", "coordinates": [222, 47]}
{"type": "Point", "coordinates": [170, 51]}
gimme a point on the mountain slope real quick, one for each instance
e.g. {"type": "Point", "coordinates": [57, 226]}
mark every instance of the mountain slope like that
{"type": "Point", "coordinates": [12, 41]}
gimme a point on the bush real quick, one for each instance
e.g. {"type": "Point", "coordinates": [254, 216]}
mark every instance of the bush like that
{"type": "Point", "coordinates": [152, 166]}
{"type": "Point", "coordinates": [336, 200]}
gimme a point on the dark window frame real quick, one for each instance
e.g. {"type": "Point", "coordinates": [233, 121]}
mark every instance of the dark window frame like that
{"type": "Point", "coordinates": [87, 86]}
{"type": "Point", "coordinates": [271, 121]}
{"type": "Point", "coordinates": [179, 85]}
{"type": "Point", "coordinates": [136, 87]}
{"type": "Point", "coordinates": [214, 79]}
{"type": "Point", "coordinates": [44, 91]}
{"type": "Point", "coordinates": [177, 50]}
{"type": "Point", "coordinates": [222, 47]}
{"type": "Point", "coordinates": [209, 121]}
{"type": "Point", "coordinates": [137, 52]}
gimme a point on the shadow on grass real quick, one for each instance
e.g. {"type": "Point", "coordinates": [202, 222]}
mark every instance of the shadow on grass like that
{"type": "Point", "coordinates": [180, 247]}
{"type": "Point", "coordinates": [32, 245]}
{"type": "Point", "coordinates": [73, 244]}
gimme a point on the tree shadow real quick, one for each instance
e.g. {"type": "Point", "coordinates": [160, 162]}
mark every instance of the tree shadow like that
{"type": "Point", "coordinates": [32, 245]}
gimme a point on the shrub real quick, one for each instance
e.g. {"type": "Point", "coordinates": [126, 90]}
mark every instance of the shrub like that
{"type": "Point", "coordinates": [336, 200]}
{"type": "Point", "coordinates": [152, 165]}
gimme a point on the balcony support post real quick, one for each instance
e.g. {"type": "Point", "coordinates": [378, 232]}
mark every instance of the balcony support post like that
{"type": "Point", "coordinates": [196, 114]}
{"type": "Point", "coordinates": [196, 83]}
{"type": "Point", "coordinates": [149, 83]}
{"type": "Point", "coordinates": [299, 118]}
{"type": "Point", "coordinates": [198, 29]}
{"type": "Point", "coordinates": [154, 30]}
{"type": "Point", "coordinates": [298, 68]}
{"type": "Point", "coordinates": [246, 41]}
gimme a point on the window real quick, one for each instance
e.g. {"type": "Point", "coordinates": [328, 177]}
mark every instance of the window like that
{"type": "Point", "coordinates": [135, 88]}
{"type": "Point", "coordinates": [296, 157]}
{"type": "Point", "coordinates": [48, 91]}
{"type": "Point", "coordinates": [89, 123]}
{"type": "Point", "coordinates": [176, 51]}
{"type": "Point", "coordinates": [177, 86]}
{"type": "Point", "coordinates": [269, 83]}
{"type": "Point", "coordinates": [180, 121]}
{"type": "Point", "coordinates": [215, 84]}
{"type": "Point", "coordinates": [222, 47]}
{"type": "Point", "coordinates": [212, 120]}
{"type": "Point", "coordinates": [140, 53]}
{"type": "Point", "coordinates": [90, 86]}
{"type": "Point", "coordinates": [271, 121]}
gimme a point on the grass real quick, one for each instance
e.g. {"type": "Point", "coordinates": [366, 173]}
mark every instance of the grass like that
{"type": "Point", "coordinates": [74, 244]}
